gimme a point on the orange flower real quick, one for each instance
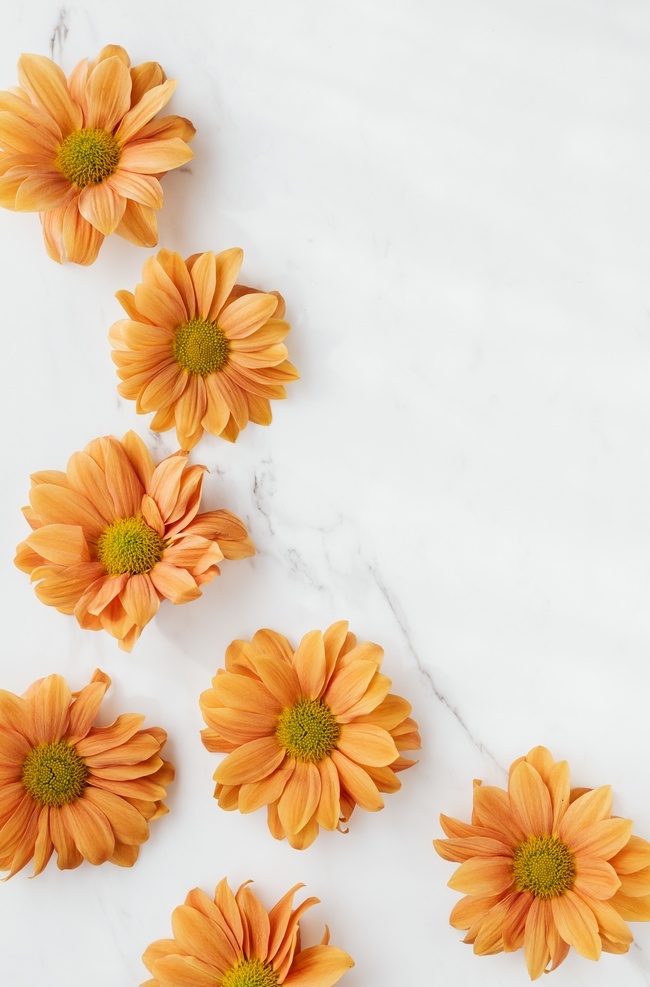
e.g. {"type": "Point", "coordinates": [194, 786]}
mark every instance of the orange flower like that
{"type": "Point", "coordinates": [87, 792]}
{"type": "Point", "coordinates": [234, 942]}
{"type": "Point", "coordinates": [311, 733]}
{"type": "Point", "coordinates": [201, 351]}
{"type": "Point", "coordinates": [546, 867]}
{"type": "Point", "coordinates": [86, 153]}
{"type": "Point", "coordinates": [114, 535]}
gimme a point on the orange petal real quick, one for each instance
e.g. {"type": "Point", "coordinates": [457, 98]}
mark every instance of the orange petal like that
{"type": "Point", "coordinates": [102, 206]}
{"type": "Point", "coordinates": [139, 225]}
{"type": "Point", "coordinates": [318, 966]}
{"type": "Point", "coordinates": [367, 744]}
{"type": "Point", "coordinates": [173, 583]}
{"type": "Point", "coordinates": [51, 709]}
{"type": "Point", "coordinates": [227, 265]}
{"type": "Point", "coordinates": [280, 679]}
{"type": "Point", "coordinates": [483, 876]}
{"type": "Point", "coordinates": [246, 314]}
{"type": "Point", "coordinates": [250, 762]}
{"type": "Point", "coordinates": [108, 94]}
{"type": "Point", "coordinates": [595, 877]}
{"type": "Point", "coordinates": [589, 808]}
{"type": "Point", "coordinates": [63, 544]}
{"type": "Point", "coordinates": [183, 971]}
{"type": "Point", "coordinates": [199, 937]}
{"type": "Point", "coordinates": [89, 829]}
{"type": "Point", "coordinates": [309, 663]}
{"type": "Point", "coordinates": [603, 839]}
{"type": "Point", "coordinates": [155, 156]}
{"type": "Point", "coordinates": [576, 924]}
{"type": "Point", "coordinates": [530, 800]}
{"type": "Point", "coordinates": [145, 110]}
{"type": "Point", "coordinates": [300, 797]}
{"type": "Point", "coordinates": [536, 948]}
{"type": "Point", "coordinates": [357, 782]}
{"type": "Point", "coordinates": [46, 82]}
{"type": "Point", "coordinates": [204, 279]}
{"type": "Point", "coordinates": [349, 685]}
{"type": "Point", "coordinates": [81, 240]}
{"type": "Point", "coordinates": [139, 599]}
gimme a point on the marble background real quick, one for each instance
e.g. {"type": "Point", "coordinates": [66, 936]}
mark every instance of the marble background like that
{"type": "Point", "coordinates": [453, 197]}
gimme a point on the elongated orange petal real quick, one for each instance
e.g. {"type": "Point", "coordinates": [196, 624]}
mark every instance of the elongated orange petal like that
{"type": "Point", "coordinates": [108, 94]}
{"type": "Point", "coordinates": [318, 966]}
{"type": "Point", "coordinates": [250, 762]}
{"type": "Point", "coordinates": [576, 924]}
{"type": "Point", "coordinates": [530, 800]}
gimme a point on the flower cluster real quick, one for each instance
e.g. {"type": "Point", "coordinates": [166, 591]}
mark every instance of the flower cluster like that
{"type": "Point", "coordinates": [310, 733]}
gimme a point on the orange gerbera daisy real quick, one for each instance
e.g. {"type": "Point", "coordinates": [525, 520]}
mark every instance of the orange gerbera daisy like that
{"type": "Point", "coordinates": [87, 792]}
{"type": "Point", "coordinates": [201, 351]}
{"type": "Point", "coordinates": [546, 867]}
{"type": "Point", "coordinates": [234, 942]}
{"type": "Point", "coordinates": [310, 734]}
{"type": "Point", "coordinates": [115, 535]}
{"type": "Point", "coordinates": [86, 153]}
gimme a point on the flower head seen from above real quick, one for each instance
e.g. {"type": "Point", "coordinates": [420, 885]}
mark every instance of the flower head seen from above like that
{"type": "Point", "coordinates": [233, 941]}
{"type": "Point", "coordinates": [115, 534]}
{"type": "Point", "coordinates": [86, 152]}
{"type": "Point", "coordinates": [546, 867]}
{"type": "Point", "coordinates": [310, 733]}
{"type": "Point", "coordinates": [88, 792]}
{"type": "Point", "coordinates": [204, 353]}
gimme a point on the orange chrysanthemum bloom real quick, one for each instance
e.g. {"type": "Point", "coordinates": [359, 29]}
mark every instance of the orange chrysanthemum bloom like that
{"type": "Point", "coordinates": [86, 153]}
{"type": "Point", "coordinates": [546, 867]}
{"type": "Point", "coordinates": [87, 792]}
{"type": "Point", "coordinates": [234, 942]}
{"type": "Point", "coordinates": [199, 350]}
{"type": "Point", "coordinates": [115, 535]}
{"type": "Point", "coordinates": [310, 734]}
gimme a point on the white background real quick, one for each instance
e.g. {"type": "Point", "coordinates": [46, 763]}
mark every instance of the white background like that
{"type": "Point", "coordinates": [453, 197]}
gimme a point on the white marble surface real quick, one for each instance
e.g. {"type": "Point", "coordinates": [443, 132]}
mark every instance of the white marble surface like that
{"type": "Point", "coordinates": [453, 197]}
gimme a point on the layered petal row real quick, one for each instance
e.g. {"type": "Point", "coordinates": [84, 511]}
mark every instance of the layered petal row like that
{"type": "Point", "coordinates": [233, 941]}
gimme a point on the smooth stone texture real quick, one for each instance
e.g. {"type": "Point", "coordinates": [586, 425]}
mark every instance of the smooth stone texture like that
{"type": "Point", "coordinates": [454, 200]}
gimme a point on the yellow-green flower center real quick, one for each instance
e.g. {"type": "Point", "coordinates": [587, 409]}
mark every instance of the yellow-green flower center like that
{"type": "Point", "coordinates": [250, 973]}
{"type": "Point", "coordinates": [543, 865]}
{"type": "Point", "coordinates": [88, 156]}
{"type": "Point", "coordinates": [200, 346]}
{"type": "Point", "coordinates": [54, 774]}
{"type": "Point", "coordinates": [308, 731]}
{"type": "Point", "coordinates": [129, 545]}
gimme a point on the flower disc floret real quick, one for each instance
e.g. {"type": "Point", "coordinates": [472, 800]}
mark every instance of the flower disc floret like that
{"type": "Point", "coordinates": [88, 156]}
{"type": "Point", "coordinates": [54, 774]}
{"type": "Point", "coordinates": [308, 731]}
{"type": "Point", "coordinates": [543, 865]}
{"type": "Point", "coordinates": [250, 973]}
{"type": "Point", "coordinates": [200, 346]}
{"type": "Point", "coordinates": [129, 545]}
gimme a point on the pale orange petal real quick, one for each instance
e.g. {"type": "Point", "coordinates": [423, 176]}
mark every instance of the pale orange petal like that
{"type": "Point", "coordinates": [576, 924]}
{"type": "Point", "coordinates": [300, 797]}
{"type": "Point", "coordinates": [250, 762]}
{"type": "Point", "coordinates": [228, 264]}
{"type": "Point", "coordinates": [530, 800]}
{"type": "Point", "coordinates": [318, 966]}
{"type": "Point", "coordinates": [102, 206]}
{"type": "Point", "coordinates": [108, 94]}
{"type": "Point", "coordinates": [47, 84]}
{"type": "Point", "coordinates": [150, 103]}
{"type": "Point", "coordinates": [154, 157]}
